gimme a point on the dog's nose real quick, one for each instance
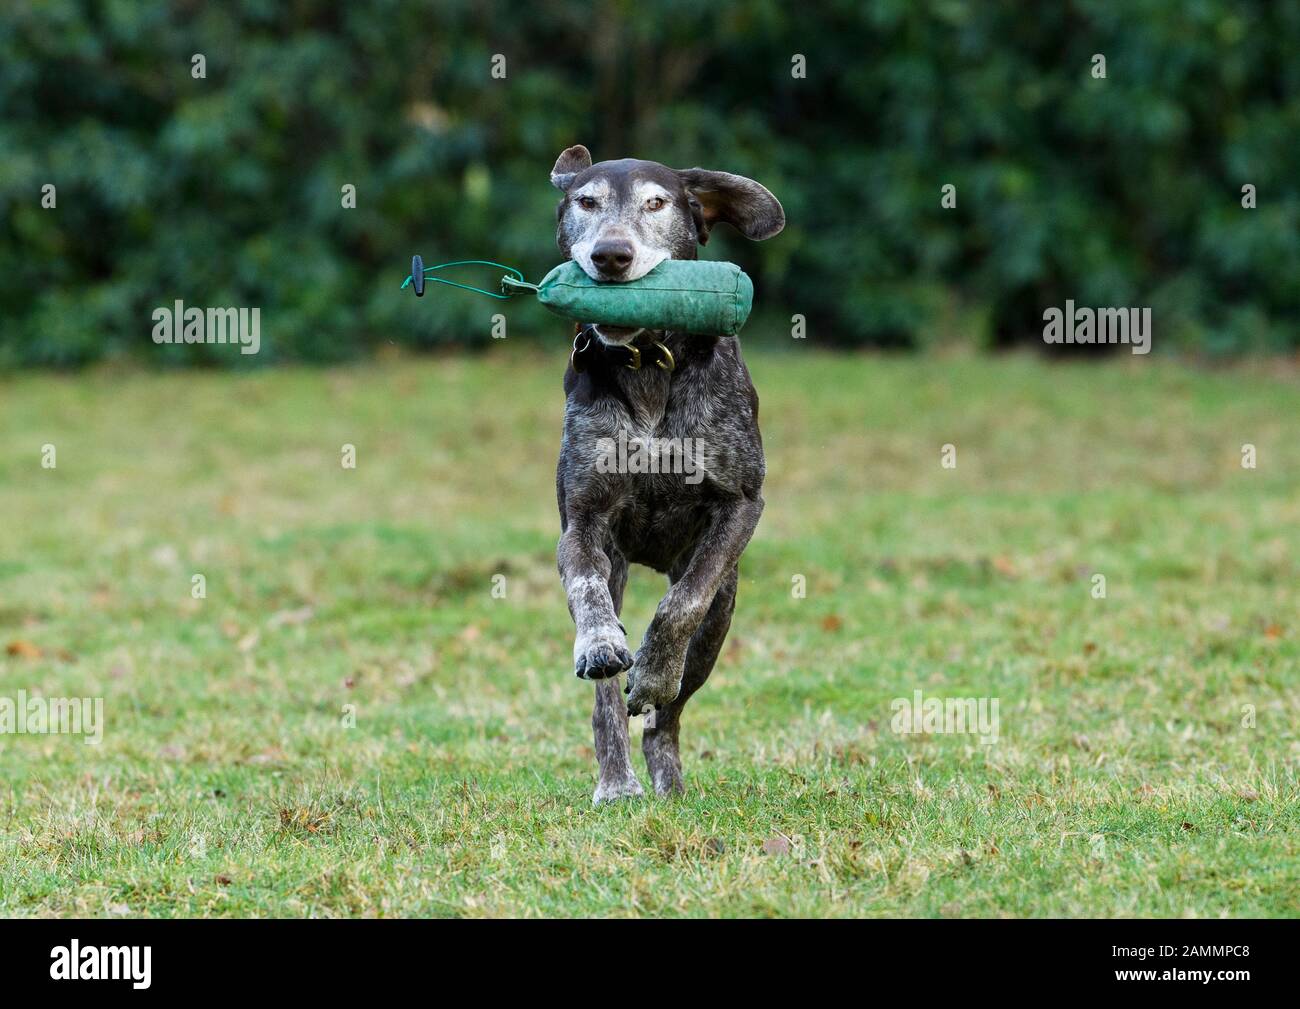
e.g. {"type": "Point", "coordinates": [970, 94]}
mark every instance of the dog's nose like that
{"type": "Point", "coordinates": [612, 257]}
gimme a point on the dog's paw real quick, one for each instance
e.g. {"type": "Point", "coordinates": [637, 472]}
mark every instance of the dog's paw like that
{"type": "Point", "coordinates": [651, 685]}
{"type": "Point", "coordinates": [601, 654]}
{"type": "Point", "coordinates": [612, 791]}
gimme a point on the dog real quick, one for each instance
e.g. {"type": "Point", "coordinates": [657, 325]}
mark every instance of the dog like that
{"type": "Point", "coordinates": [617, 221]}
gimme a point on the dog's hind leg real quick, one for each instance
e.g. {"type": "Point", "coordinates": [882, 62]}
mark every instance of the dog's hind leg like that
{"type": "Point", "coordinates": [659, 667]}
{"type": "Point", "coordinates": [609, 718]}
{"type": "Point", "coordinates": [660, 740]}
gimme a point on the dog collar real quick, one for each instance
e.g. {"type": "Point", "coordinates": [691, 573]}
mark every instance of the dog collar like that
{"type": "Point", "coordinates": [644, 350]}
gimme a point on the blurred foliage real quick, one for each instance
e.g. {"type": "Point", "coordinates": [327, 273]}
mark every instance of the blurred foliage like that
{"type": "Point", "coordinates": [226, 190]}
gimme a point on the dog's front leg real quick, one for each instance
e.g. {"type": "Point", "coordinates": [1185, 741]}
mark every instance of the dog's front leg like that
{"type": "Point", "coordinates": [656, 675]}
{"type": "Point", "coordinates": [600, 646]}
{"type": "Point", "coordinates": [594, 586]}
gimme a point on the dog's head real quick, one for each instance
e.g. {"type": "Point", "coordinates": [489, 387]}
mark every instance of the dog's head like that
{"type": "Point", "coordinates": [620, 219]}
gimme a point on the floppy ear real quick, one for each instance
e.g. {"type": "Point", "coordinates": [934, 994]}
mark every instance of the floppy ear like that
{"type": "Point", "coordinates": [567, 166]}
{"type": "Point", "coordinates": [733, 199]}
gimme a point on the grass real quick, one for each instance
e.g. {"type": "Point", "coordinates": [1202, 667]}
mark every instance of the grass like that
{"type": "Point", "coordinates": [1129, 778]}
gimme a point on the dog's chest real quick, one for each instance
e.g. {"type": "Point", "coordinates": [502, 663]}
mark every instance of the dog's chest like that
{"type": "Point", "coordinates": [660, 448]}
{"type": "Point", "coordinates": [658, 428]}
{"type": "Point", "coordinates": [659, 454]}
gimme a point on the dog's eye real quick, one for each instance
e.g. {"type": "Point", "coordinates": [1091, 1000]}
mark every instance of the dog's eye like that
{"type": "Point", "coordinates": [586, 203]}
{"type": "Point", "coordinates": [655, 203]}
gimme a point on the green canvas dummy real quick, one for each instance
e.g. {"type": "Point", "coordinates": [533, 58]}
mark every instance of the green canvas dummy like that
{"type": "Point", "coordinates": [686, 296]}
{"type": "Point", "coordinates": [681, 295]}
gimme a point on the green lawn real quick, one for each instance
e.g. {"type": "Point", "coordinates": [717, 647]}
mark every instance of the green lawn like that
{"type": "Point", "coordinates": [1130, 777]}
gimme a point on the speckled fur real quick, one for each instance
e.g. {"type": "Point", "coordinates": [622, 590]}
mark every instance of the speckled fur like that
{"type": "Point", "coordinates": [692, 532]}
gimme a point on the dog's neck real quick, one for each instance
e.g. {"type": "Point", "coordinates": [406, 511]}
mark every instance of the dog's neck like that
{"type": "Point", "coordinates": [649, 351]}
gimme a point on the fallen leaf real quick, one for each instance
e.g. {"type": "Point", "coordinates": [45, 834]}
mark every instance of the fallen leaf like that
{"type": "Point", "coordinates": [1272, 632]}
{"type": "Point", "coordinates": [23, 649]}
{"type": "Point", "coordinates": [223, 880]}
{"type": "Point", "coordinates": [285, 617]}
{"type": "Point", "coordinates": [831, 623]}
{"type": "Point", "coordinates": [1003, 566]}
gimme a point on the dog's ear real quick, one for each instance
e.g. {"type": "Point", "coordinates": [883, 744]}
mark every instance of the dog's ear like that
{"type": "Point", "coordinates": [567, 166]}
{"type": "Point", "coordinates": [733, 199]}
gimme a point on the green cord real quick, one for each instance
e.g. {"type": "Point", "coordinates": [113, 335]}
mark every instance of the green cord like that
{"type": "Point", "coordinates": [516, 281]}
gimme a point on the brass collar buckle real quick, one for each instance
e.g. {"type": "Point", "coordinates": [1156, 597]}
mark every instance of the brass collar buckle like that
{"type": "Point", "coordinates": [663, 359]}
{"type": "Point", "coordinates": [582, 342]}
{"type": "Point", "coordinates": [667, 362]}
